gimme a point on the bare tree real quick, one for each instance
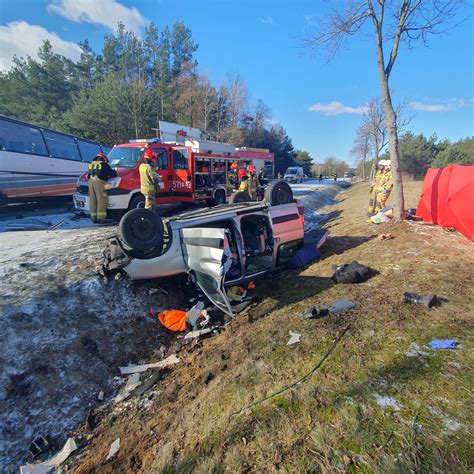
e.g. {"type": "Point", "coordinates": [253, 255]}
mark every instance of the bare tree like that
{"type": "Point", "coordinates": [238, 98]}
{"type": "Point", "coordinates": [361, 146]}
{"type": "Point", "coordinates": [392, 21]}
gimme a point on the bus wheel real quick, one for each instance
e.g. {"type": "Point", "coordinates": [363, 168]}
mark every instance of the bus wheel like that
{"type": "Point", "coordinates": [137, 202]}
{"type": "Point", "coordinates": [278, 193]}
{"type": "Point", "coordinates": [219, 197]}
{"type": "Point", "coordinates": [141, 229]}
{"type": "Point", "coordinates": [239, 196]}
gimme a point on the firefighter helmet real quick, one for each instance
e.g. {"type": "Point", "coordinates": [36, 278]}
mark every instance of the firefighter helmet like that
{"type": "Point", "coordinates": [251, 169]}
{"type": "Point", "coordinates": [150, 155]}
{"type": "Point", "coordinates": [102, 155]}
{"type": "Point", "coordinates": [242, 173]}
{"type": "Point", "coordinates": [234, 166]}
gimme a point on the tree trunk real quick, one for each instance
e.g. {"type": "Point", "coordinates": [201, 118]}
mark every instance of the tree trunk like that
{"type": "Point", "coordinates": [363, 166]}
{"type": "Point", "coordinates": [391, 123]}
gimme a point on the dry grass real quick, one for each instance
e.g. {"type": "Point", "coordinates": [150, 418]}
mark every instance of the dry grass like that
{"type": "Point", "coordinates": [330, 423]}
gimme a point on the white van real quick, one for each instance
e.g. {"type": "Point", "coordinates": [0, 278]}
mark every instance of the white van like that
{"type": "Point", "coordinates": [294, 174]}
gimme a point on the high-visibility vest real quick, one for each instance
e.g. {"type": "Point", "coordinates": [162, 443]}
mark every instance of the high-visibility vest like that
{"type": "Point", "coordinates": [147, 178]}
{"type": "Point", "coordinates": [244, 185]}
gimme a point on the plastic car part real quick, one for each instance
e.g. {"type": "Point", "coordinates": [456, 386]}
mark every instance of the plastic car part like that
{"type": "Point", "coordinates": [239, 196]}
{"type": "Point", "coordinates": [278, 193]}
{"type": "Point", "coordinates": [141, 229]}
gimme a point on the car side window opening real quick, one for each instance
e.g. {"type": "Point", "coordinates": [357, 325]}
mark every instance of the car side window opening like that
{"type": "Point", "coordinates": [287, 251]}
{"type": "Point", "coordinates": [22, 138]}
{"type": "Point", "coordinates": [235, 268]}
{"type": "Point", "coordinates": [180, 159]}
{"type": "Point", "coordinates": [257, 248]}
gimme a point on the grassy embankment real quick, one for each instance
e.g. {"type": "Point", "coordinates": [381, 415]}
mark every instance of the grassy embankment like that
{"type": "Point", "coordinates": [332, 422]}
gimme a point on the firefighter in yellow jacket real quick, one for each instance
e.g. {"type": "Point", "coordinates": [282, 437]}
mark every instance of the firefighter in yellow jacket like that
{"type": "Point", "coordinates": [253, 181]}
{"type": "Point", "coordinates": [99, 172]}
{"type": "Point", "coordinates": [381, 187]}
{"type": "Point", "coordinates": [149, 180]}
{"type": "Point", "coordinates": [244, 181]}
{"type": "Point", "coordinates": [387, 185]}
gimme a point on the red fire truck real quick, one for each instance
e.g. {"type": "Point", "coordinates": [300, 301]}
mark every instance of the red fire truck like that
{"type": "Point", "coordinates": [192, 169]}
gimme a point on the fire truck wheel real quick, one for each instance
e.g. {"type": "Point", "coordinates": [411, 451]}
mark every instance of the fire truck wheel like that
{"type": "Point", "coordinates": [137, 202]}
{"type": "Point", "coordinates": [141, 229]}
{"type": "Point", "coordinates": [278, 193]}
{"type": "Point", "coordinates": [239, 196]}
{"type": "Point", "coordinates": [219, 197]}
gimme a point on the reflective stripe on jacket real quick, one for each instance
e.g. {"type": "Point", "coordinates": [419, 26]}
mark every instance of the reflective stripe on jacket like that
{"type": "Point", "coordinates": [100, 169]}
{"type": "Point", "coordinates": [148, 178]}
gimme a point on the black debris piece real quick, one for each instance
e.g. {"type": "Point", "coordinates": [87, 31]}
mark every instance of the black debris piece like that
{"type": "Point", "coordinates": [428, 300]}
{"type": "Point", "coordinates": [353, 272]}
{"type": "Point", "coordinates": [40, 444]}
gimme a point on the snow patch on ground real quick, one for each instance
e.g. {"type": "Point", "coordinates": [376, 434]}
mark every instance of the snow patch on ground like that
{"type": "Point", "coordinates": [64, 332]}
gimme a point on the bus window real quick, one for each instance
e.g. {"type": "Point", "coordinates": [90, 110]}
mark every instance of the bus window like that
{"type": "Point", "coordinates": [62, 146]}
{"type": "Point", "coordinates": [22, 138]}
{"type": "Point", "coordinates": [88, 150]}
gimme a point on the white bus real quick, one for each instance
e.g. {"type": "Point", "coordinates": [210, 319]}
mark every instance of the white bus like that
{"type": "Point", "coordinates": [36, 162]}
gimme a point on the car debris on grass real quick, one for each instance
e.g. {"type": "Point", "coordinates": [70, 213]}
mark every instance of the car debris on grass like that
{"type": "Point", "coordinates": [428, 300]}
{"type": "Point", "coordinates": [114, 449]}
{"type": "Point", "coordinates": [133, 369]}
{"type": "Point", "coordinates": [338, 306]}
{"type": "Point", "coordinates": [53, 463]}
{"type": "Point", "coordinates": [294, 338]}
{"type": "Point", "coordinates": [444, 344]}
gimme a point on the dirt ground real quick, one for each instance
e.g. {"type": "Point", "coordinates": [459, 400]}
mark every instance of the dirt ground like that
{"type": "Point", "coordinates": [382, 402]}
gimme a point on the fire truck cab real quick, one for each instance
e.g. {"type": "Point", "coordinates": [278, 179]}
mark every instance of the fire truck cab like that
{"type": "Point", "coordinates": [191, 169]}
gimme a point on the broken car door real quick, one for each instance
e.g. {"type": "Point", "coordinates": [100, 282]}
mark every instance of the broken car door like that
{"type": "Point", "coordinates": [207, 254]}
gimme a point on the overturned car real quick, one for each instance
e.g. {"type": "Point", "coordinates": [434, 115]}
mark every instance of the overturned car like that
{"type": "Point", "coordinates": [226, 245]}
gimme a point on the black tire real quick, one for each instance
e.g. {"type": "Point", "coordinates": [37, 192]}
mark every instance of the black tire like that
{"type": "Point", "coordinates": [137, 202]}
{"type": "Point", "coordinates": [141, 229]}
{"type": "Point", "coordinates": [239, 196]}
{"type": "Point", "coordinates": [219, 197]}
{"type": "Point", "coordinates": [279, 192]}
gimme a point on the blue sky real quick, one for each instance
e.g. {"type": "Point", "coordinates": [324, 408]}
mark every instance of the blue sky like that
{"type": "Point", "coordinates": [261, 40]}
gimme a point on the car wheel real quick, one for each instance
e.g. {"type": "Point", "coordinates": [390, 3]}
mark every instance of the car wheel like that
{"type": "Point", "coordinates": [279, 193]}
{"type": "Point", "coordinates": [137, 202]}
{"type": "Point", "coordinates": [219, 197]}
{"type": "Point", "coordinates": [239, 196]}
{"type": "Point", "coordinates": [141, 229]}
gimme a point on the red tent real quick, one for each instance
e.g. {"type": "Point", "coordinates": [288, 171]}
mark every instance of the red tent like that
{"type": "Point", "coordinates": [447, 198]}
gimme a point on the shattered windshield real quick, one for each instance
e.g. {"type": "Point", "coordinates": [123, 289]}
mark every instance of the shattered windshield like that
{"type": "Point", "coordinates": [125, 156]}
